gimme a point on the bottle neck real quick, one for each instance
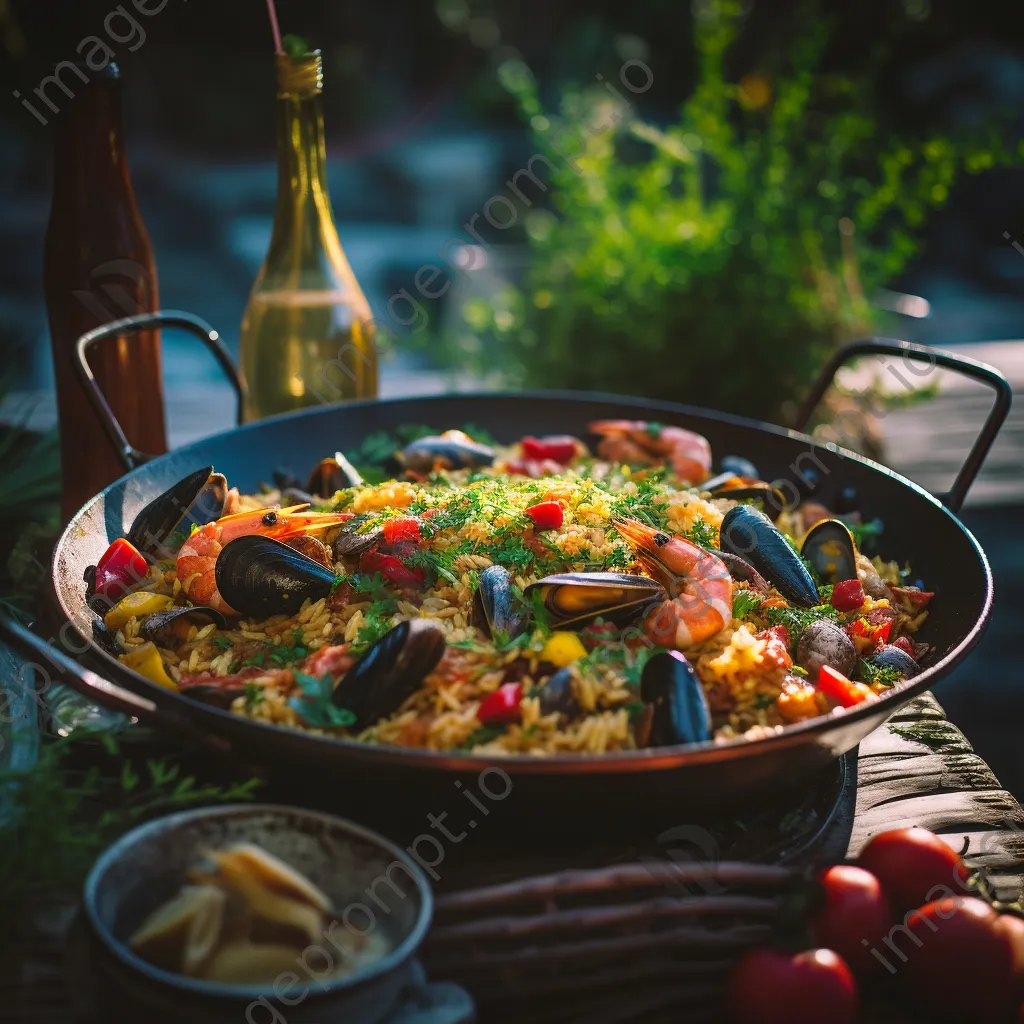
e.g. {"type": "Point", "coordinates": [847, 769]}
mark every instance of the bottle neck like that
{"type": "Point", "coordinates": [301, 162]}
{"type": "Point", "coordinates": [88, 139]}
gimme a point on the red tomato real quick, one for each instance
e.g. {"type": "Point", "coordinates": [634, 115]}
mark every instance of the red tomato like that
{"type": "Point", "coordinates": [401, 528]}
{"type": "Point", "coordinates": [768, 986]}
{"type": "Point", "coordinates": [779, 632]}
{"type": "Point", "coordinates": [1012, 928]}
{"type": "Point", "coordinates": [847, 596]}
{"type": "Point", "coordinates": [910, 862]}
{"type": "Point", "coordinates": [390, 568]}
{"type": "Point", "coordinates": [906, 645]}
{"type": "Point", "coordinates": [559, 448]}
{"type": "Point", "coordinates": [547, 515]}
{"type": "Point", "coordinates": [959, 961]}
{"type": "Point", "coordinates": [855, 908]}
{"type": "Point", "coordinates": [502, 706]}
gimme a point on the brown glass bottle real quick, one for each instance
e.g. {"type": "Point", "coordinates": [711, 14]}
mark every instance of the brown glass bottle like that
{"type": "Point", "coordinates": [99, 267]}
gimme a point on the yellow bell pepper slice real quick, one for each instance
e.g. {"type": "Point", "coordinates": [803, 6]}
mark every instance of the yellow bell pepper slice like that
{"type": "Point", "coordinates": [563, 648]}
{"type": "Point", "coordinates": [145, 659]}
{"type": "Point", "coordinates": [139, 604]}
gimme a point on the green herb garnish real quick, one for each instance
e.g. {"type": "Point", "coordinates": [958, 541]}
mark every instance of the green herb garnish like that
{"type": "Point", "coordinates": [744, 602]}
{"type": "Point", "coordinates": [316, 706]}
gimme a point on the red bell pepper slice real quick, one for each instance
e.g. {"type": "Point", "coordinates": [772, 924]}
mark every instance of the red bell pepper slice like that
{"type": "Point", "coordinates": [843, 691]}
{"type": "Point", "coordinates": [917, 599]}
{"type": "Point", "coordinates": [120, 568]}
{"type": "Point", "coordinates": [847, 596]}
{"type": "Point", "coordinates": [502, 706]}
{"type": "Point", "coordinates": [559, 448]}
{"type": "Point", "coordinates": [390, 569]}
{"type": "Point", "coordinates": [877, 633]}
{"type": "Point", "coordinates": [402, 528]}
{"type": "Point", "coordinates": [548, 515]}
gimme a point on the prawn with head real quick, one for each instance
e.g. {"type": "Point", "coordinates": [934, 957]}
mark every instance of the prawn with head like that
{"type": "Point", "coordinates": [641, 442]}
{"type": "Point", "coordinates": [698, 583]}
{"type": "Point", "coordinates": [197, 559]}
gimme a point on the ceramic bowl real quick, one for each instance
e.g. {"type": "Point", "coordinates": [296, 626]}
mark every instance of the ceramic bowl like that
{"type": "Point", "coordinates": [371, 882]}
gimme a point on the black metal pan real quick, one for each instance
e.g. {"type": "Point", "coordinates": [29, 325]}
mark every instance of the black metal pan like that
{"type": "Point", "coordinates": [623, 787]}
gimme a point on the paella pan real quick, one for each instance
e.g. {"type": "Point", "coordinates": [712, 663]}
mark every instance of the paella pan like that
{"type": "Point", "coordinates": [651, 712]}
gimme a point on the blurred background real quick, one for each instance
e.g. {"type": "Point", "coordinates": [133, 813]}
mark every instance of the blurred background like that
{"type": "Point", "coordinates": [775, 177]}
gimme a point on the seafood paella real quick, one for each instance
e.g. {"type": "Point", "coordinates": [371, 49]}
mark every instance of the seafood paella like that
{"type": "Point", "coordinates": [445, 592]}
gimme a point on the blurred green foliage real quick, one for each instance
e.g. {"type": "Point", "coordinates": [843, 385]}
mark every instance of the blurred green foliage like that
{"type": "Point", "coordinates": [717, 259]}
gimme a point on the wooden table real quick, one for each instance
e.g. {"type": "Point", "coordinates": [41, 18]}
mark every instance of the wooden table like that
{"type": "Point", "coordinates": [919, 769]}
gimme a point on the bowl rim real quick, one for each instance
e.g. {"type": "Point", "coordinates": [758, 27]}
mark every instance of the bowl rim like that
{"type": "Point", "coordinates": [197, 986]}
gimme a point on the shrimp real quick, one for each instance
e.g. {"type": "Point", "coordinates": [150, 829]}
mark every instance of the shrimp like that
{"type": "Point", "coordinates": [637, 441]}
{"type": "Point", "coordinates": [197, 559]}
{"type": "Point", "coordinates": [698, 582]}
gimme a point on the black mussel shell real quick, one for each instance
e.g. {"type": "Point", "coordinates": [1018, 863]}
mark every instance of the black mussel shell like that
{"type": "Point", "coordinates": [164, 524]}
{"type": "Point", "coordinates": [297, 496]}
{"type": "Point", "coordinates": [104, 639]}
{"type": "Point", "coordinates": [451, 450]}
{"type": "Point", "coordinates": [390, 671]}
{"type": "Point", "coordinates": [739, 466]}
{"type": "Point", "coordinates": [557, 695]}
{"type": "Point", "coordinates": [575, 598]}
{"type": "Point", "coordinates": [495, 608]}
{"type": "Point", "coordinates": [742, 571]}
{"type": "Point", "coordinates": [260, 577]}
{"type": "Point", "coordinates": [680, 709]}
{"type": "Point", "coordinates": [90, 582]}
{"type": "Point", "coordinates": [751, 535]}
{"type": "Point", "coordinates": [893, 657]}
{"type": "Point", "coordinates": [332, 475]}
{"type": "Point", "coordinates": [736, 488]}
{"type": "Point", "coordinates": [349, 543]}
{"type": "Point", "coordinates": [285, 478]}
{"type": "Point", "coordinates": [830, 548]}
{"type": "Point", "coordinates": [152, 625]}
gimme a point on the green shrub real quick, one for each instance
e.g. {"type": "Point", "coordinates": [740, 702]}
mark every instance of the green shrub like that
{"type": "Point", "coordinates": [718, 259]}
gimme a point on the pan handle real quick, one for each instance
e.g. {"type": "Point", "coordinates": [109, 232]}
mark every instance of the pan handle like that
{"type": "Point", "coordinates": [130, 455]}
{"type": "Point", "coordinates": [49, 659]}
{"type": "Point", "coordinates": [972, 368]}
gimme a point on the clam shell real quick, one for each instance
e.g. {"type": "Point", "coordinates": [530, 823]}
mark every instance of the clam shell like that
{"type": "Point", "coordinates": [182, 931]}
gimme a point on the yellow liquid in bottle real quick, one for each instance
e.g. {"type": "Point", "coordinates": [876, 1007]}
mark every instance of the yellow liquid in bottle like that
{"type": "Point", "coordinates": [302, 348]}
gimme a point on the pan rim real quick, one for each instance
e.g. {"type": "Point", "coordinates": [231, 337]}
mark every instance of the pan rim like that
{"type": "Point", "coordinates": [612, 762]}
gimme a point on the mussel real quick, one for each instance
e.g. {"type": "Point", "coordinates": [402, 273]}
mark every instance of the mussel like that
{"type": "Point", "coordinates": [153, 626]}
{"type": "Point", "coordinates": [332, 475]}
{"type": "Point", "coordinates": [890, 656]}
{"type": "Point", "coordinates": [830, 548]}
{"type": "Point", "coordinates": [390, 671]}
{"type": "Point", "coordinates": [104, 639]}
{"type": "Point", "coordinates": [574, 598]}
{"type": "Point", "coordinates": [349, 543]}
{"type": "Point", "coordinates": [260, 576]}
{"type": "Point", "coordinates": [739, 466]}
{"type": "Point", "coordinates": [679, 708]}
{"type": "Point", "coordinates": [740, 569]}
{"type": "Point", "coordinates": [495, 608]}
{"type": "Point", "coordinates": [215, 694]}
{"type": "Point", "coordinates": [743, 488]}
{"type": "Point", "coordinates": [557, 695]}
{"type": "Point", "coordinates": [165, 523]}
{"type": "Point", "coordinates": [825, 643]}
{"type": "Point", "coordinates": [451, 450]}
{"type": "Point", "coordinates": [751, 535]}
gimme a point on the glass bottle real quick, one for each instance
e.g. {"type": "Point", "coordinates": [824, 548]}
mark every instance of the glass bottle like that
{"type": "Point", "coordinates": [98, 266]}
{"type": "Point", "coordinates": [307, 335]}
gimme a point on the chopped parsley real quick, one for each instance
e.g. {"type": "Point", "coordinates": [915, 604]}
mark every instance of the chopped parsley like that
{"type": "Point", "coordinates": [253, 695]}
{"type": "Point", "coordinates": [222, 642]}
{"type": "Point", "coordinates": [796, 620]}
{"type": "Point", "coordinates": [884, 675]}
{"type": "Point", "coordinates": [278, 655]}
{"type": "Point", "coordinates": [483, 734]}
{"type": "Point", "coordinates": [702, 534]}
{"type": "Point", "coordinates": [377, 622]}
{"type": "Point", "coordinates": [744, 602]}
{"type": "Point", "coordinates": [316, 705]}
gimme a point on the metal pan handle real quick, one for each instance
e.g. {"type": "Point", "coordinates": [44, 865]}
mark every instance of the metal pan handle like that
{"type": "Point", "coordinates": [972, 368]}
{"type": "Point", "coordinates": [101, 691]}
{"type": "Point", "coordinates": [130, 455]}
